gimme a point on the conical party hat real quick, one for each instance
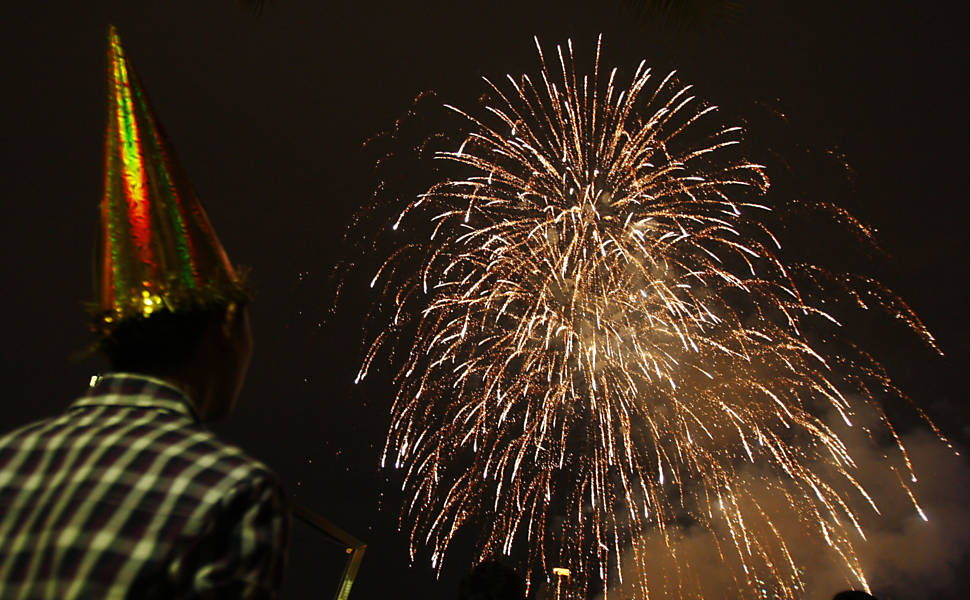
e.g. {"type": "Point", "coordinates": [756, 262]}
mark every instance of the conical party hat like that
{"type": "Point", "coordinates": [157, 249]}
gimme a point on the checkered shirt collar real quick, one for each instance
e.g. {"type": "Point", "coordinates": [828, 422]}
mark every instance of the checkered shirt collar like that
{"type": "Point", "coordinates": [135, 390]}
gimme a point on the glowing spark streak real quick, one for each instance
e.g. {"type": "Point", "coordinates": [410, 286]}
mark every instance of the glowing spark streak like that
{"type": "Point", "coordinates": [601, 302]}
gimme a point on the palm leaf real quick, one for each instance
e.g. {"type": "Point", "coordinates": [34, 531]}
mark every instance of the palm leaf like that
{"type": "Point", "coordinates": [255, 5]}
{"type": "Point", "coordinates": [686, 14]}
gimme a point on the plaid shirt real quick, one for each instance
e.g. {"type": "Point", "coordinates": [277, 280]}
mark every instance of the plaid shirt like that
{"type": "Point", "coordinates": [126, 495]}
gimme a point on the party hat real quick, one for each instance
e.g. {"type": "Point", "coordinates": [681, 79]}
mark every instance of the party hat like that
{"type": "Point", "coordinates": [157, 249]}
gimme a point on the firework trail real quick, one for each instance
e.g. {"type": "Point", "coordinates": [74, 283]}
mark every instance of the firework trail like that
{"type": "Point", "coordinates": [600, 335]}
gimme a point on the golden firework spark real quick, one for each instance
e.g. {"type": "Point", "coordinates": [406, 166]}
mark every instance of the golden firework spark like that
{"type": "Point", "coordinates": [605, 336]}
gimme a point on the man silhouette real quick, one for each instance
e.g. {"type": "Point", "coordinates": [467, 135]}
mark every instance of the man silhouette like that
{"type": "Point", "coordinates": [853, 595]}
{"type": "Point", "coordinates": [491, 580]}
{"type": "Point", "coordinates": [127, 494]}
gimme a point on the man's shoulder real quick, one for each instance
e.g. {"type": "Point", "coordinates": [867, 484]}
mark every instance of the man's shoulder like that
{"type": "Point", "coordinates": [165, 450]}
{"type": "Point", "coordinates": [222, 463]}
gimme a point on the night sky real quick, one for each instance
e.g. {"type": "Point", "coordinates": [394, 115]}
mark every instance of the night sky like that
{"type": "Point", "coordinates": [268, 115]}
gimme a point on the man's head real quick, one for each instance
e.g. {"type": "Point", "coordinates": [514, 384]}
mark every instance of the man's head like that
{"type": "Point", "coordinates": [853, 595]}
{"type": "Point", "coordinates": [204, 352]}
{"type": "Point", "coordinates": [491, 580]}
{"type": "Point", "coordinates": [158, 259]}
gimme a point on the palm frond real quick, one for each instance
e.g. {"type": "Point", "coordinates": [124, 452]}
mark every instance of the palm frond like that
{"type": "Point", "coordinates": [693, 15]}
{"type": "Point", "coordinates": [255, 5]}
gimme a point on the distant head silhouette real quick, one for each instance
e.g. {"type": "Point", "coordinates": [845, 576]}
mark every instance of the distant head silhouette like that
{"type": "Point", "coordinates": [491, 580]}
{"type": "Point", "coordinates": [853, 595]}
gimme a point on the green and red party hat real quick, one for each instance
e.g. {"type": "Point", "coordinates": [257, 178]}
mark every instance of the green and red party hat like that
{"type": "Point", "coordinates": [157, 249]}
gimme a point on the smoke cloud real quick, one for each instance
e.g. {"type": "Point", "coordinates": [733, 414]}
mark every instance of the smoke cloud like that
{"type": "Point", "coordinates": [902, 554]}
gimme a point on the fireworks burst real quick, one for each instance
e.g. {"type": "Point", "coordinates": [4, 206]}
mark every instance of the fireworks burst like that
{"type": "Point", "coordinates": [605, 340]}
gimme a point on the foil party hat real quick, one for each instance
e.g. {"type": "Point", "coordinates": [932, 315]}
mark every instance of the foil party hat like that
{"type": "Point", "coordinates": [157, 249]}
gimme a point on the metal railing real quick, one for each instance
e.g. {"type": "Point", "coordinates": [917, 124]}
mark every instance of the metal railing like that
{"type": "Point", "coordinates": [352, 546]}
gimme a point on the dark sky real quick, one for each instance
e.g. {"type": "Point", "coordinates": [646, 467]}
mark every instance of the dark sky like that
{"type": "Point", "coordinates": [269, 113]}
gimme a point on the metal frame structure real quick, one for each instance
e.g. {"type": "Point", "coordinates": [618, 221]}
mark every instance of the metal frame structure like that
{"type": "Point", "coordinates": [354, 547]}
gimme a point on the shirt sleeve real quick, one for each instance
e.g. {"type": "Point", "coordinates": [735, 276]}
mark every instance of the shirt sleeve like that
{"type": "Point", "coordinates": [244, 555]}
